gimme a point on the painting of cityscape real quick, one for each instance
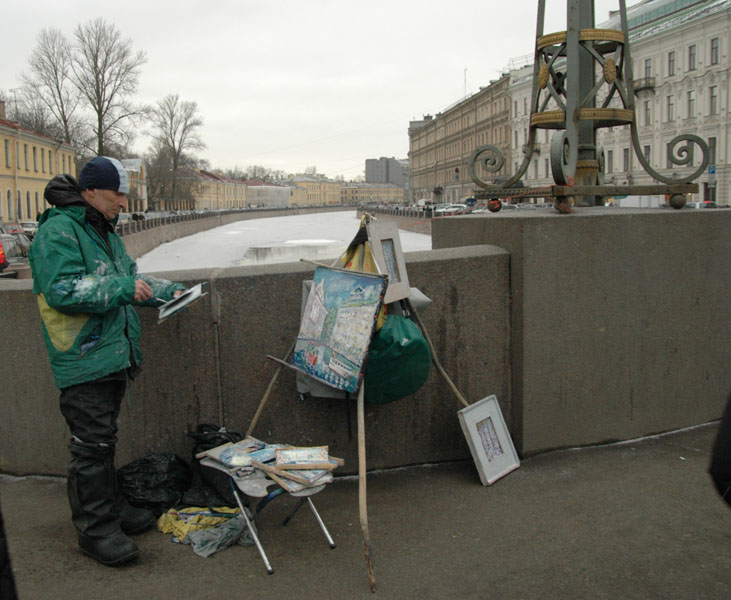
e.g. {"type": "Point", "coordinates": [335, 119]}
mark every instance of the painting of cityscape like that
{"type": "Point", "coordinates": [337, 326]}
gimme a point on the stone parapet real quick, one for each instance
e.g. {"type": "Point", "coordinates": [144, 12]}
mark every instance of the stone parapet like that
{"type": "Point", "coordinates": [208, 365]}
{"type": "Point", "coordinates": [621, 319]}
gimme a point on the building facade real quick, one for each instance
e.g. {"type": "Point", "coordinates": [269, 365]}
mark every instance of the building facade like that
{"type": "Point", "coordinates": [28, 160]}
{"type": "Point", "coordinates": [440, 146]}
{"type": "Point", "coordinates": [213, 191]}
{"type": "Point", "coordinates": [680, 58]}
{"type": "Point", "coordinates": [265, 195]}
{"type": "Point", "coordinates": [137, 173]}
{"type": "Point", "coordinates": [318, 191]}
{"type": "Point", "coordinates": [385, 170]}
{"type": "Point", "coordinates": [371, 193]}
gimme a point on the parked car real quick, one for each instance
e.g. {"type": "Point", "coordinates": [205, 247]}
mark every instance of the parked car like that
{"type": "Point", "coordinates": [30, 228]}
{"type": "Point", "coordinates": [15, 230]}
{"type": "Point", "coordinates": [10, 251]}
{"type": "Point", "coordinates": [450, 209]}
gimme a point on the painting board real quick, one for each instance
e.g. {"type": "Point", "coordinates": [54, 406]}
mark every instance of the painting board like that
{"type": "Point", "coordinates": [488, 438]}
{"type": "Point", "coordinates": [383, 237]}
{"type": "Point", "coordinates": [337, 326]}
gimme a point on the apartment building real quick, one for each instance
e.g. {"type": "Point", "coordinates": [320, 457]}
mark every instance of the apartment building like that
{"type": "Point", "coordinates": [385, 170]}
{"type": "Point", "coordinates": [318, 191]}
{"type": "Point", "coordinates": [28, 160]}
{"type": "Point", "coordinates": [371, 193]}
{"type": "Point", "coordinates": [210, 191]}
{"type": "Point", "coordinates": [440, 145]}
{"type": "Point", "coordinates": [681, 60]}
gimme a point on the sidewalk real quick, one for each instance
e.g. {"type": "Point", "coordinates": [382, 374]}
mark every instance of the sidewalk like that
{"type": "Point", "coordinates": [634, 520]}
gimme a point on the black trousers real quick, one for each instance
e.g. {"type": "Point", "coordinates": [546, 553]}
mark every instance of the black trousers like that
{"type": "Point", "coordinates": [91, 410]}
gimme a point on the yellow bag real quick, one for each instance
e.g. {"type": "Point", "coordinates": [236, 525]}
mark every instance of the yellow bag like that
{"type": "Point", "coordinates": [358, 257]}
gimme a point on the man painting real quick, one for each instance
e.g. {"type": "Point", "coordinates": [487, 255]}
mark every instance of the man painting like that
{"type": "Point", "coordinates": [87, 285]}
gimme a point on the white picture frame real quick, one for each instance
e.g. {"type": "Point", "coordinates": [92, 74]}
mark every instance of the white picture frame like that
{"type": "Point", "coordinates": [488, 439]}
{"type": "Point", "coordinates": [385, 242]}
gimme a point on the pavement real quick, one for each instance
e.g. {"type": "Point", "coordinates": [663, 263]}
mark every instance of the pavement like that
{"type": "Point", "coordinates": [639, 519]}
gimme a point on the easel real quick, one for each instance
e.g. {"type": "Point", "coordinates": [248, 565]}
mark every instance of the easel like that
{"type": "Point", "coordinates": [360, 408]}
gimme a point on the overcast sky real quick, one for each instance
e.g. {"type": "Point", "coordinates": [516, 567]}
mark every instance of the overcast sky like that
{"type": "Point", "coordinates": [289, 84]}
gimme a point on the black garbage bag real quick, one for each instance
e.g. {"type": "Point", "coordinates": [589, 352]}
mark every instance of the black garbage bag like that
{"type": "Point", "coordinates": [209, 436]}
{"type": "Point", "coordinates": [156, 481]}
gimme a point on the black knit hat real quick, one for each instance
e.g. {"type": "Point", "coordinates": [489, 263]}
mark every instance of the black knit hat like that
{"type": "Point", "coordinates": [104, 173]}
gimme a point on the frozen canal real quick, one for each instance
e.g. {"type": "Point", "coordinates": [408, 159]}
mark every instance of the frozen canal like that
{"type": "Point", "coordinates": [317, 236]}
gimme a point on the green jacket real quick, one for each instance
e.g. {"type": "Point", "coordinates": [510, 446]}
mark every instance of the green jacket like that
{"type": "Point", "coordinates": [85, 291]}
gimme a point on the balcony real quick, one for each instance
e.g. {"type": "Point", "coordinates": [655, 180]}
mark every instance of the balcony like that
{"type": "Point", "coordinates": [646, 83]}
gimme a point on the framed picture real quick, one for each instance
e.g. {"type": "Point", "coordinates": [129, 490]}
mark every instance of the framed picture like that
{"type": "Point", "coordinates": [337, 326]}
{"type": "Point", "coordinates": [488, 438]}
{"type": "Point", "coordinates": [386, 250]}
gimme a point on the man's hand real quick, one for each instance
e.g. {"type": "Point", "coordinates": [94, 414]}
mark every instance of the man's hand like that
{"type": "Point", "coordinates": [142, 291]}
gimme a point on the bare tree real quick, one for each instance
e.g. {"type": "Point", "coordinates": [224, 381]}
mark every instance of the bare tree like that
{"type": "Point", "coordinates": [160, 178]}
{"type": "Point", "coordinates": [48, 88]}
{"type": "Point", "coordinates": [176, 123]}
{"type": "Point", "coordinates": [105, 71]}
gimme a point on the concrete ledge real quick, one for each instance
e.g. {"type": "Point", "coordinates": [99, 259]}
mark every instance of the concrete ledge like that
{"type": "Point", "coordinates": [208, 365]}
{"type": "Point", "coordinates": [621, 319]}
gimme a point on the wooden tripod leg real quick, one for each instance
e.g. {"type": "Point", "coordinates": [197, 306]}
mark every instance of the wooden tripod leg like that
{"type": "Point", "coordinates": [434, 358]}
{"type": "Point", "coordinates": [268, 391]}
{"type": "Point", "coordinates": [362, 489]}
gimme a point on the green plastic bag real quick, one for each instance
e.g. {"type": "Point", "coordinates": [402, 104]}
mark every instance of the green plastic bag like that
{"type": "Point", "coordinates": [398, 361]}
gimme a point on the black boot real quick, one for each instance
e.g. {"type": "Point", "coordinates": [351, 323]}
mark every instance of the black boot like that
{"type": "Point", "coordinates": [135, 520]}
{"type": "Point", "coordinates": [96, 505]}
{"type": "Point", "coordinates": [112, 549]}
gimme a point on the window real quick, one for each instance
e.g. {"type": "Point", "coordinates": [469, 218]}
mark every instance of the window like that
{"type": "Point", "coordinates": [516, 140]}
{"type": "Point", "coordinates": [648, 68]}
{"type": "Point", "coordinates": [10, 204]}
{"type": "Point", "coordinates": [714, 51]}
{"type": "Point", "coordinates": [671, 63]}
{"type": "Point", "coordinates": [691, 104]}
{"type": "Point", "coordinates": [63, 163]}
{"type": "Point", "coordinates": [7, 153]}
{"type": "Point", "coordinates": [711, 150]}
{"type": "Point", "coordinates": [669, 163]}
{"type": "Point", "coordinates": [525, 106]}
{"type": "Point", "coordinates": [50, 162]}
{"type": "Point", "coordinates": [691, 57]}
{"type": "Point", "coordinates": [610, 161]}
{"type": "Point", "coordinates": [713, 100]}
{"type": "Point", "coordinates": [670, 108]}
{"type": "Point", "coordinates": [625, 159]}
{"type": "Point", "coordinates": [646, 106]}
{"type": "Point", "coordinates": [43, 161]}
{"type": "Point", "coordinates": [647, 152]}
{"type": "Point", "coordinates": [546, 168]}
{"type": "Point", "coordinates": [35, 159]}
{"type": "Point", "coordinates": [27, 204]}
{"type": "Point", "coordinates": [515, 108]}
{"type": "Point", "coordinates": [25, 156]}
{"type": "Point", "coordinates": [17, 155]}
